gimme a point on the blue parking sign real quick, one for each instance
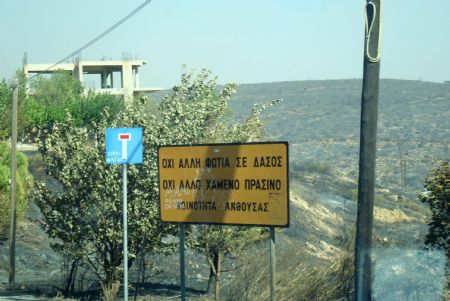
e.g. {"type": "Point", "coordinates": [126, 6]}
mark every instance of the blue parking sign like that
{"type": "Point", "coordinates": [123, 145]}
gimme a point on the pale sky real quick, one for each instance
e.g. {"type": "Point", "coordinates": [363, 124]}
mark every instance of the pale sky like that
{"type": "Point", "coordinates": [246, 41]}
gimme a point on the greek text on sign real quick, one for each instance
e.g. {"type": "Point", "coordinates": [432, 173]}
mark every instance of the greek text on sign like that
{"type": "Point", "coordinates": [123, 145]}
{"type": "Point", "coordinates": [244, 184]}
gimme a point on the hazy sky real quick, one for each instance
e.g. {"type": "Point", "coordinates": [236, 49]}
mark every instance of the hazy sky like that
{"type": "Point", "coordinates": [246, 41]}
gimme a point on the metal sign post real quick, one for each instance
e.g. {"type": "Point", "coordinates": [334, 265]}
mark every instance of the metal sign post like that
{"type": "Point", "coordinates": [124, 146]}
{"type": "Point", "coordinates": [125, 233]}
{"type": "Point", "coordinates": [272, 265]}
{"type": "Point", "coordinates": [182, 264]}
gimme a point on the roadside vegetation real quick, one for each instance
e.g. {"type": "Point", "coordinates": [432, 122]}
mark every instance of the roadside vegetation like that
{"type": "Point", "coordinates": [85, 216]}
{"type": "Point", "coordinates": [24, 186]}
{"type": "Point", "coordinates": [80, 205]}
{"type": "Point", "coordinates": [48, 100]}
{"type": "Point", "coordinates": [300, 276]}
{"type": "Point", "coordinates": [437, 197]}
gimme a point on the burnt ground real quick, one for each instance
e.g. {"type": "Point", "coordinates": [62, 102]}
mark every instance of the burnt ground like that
{"type": "Point", "coordinates": [320, 119]}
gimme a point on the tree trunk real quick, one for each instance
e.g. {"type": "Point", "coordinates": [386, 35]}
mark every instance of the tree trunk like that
{"type": "Point", "coordinates": [70, 280]}
{"type": "Point", "coordinates": [218, 267]}
{"type": "Point", "coordinates": [214, 275]}
{"type": "Point", "coordinates": [211, 280]}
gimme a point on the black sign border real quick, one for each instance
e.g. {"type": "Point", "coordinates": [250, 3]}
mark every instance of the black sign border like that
{"type": "Point", "coordinates": [286, 143]}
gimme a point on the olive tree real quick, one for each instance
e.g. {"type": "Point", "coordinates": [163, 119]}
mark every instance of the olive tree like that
{"type": "Point", "coordinates": [218, 242]}
{"type": "Point", "coordinates": [437, 196]}
{"type": "Point", "coordinates": [196, 112]}
{"type": "Point", "coordinates": [205, 113]}
{"type": "Point", "coordinates": [85, 214]}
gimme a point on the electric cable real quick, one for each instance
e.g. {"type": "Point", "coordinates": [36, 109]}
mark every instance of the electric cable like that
{"type": "Point", "coordinates": [97, 38]}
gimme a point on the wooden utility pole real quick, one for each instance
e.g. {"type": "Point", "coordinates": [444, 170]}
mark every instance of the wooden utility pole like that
{"type": "Point", "coordinates": [12, 232]}
{"type": "Point", "coordinates": [368, 134]}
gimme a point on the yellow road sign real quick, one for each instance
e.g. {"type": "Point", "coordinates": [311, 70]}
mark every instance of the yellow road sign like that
{"type": "Point", "coordinates": [243, 184]}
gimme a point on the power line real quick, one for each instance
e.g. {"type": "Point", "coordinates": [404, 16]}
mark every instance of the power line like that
{"type": "Point", "coordinates": [100, 36]}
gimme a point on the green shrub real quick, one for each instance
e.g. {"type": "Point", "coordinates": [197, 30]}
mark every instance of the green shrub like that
{"type": "Point", "coordinates": [437, 196]}
{"type": "Point", "coordinates": [91, 106]}
{"type": "Point", "coordinates": [49, 101]}
{"type": "Point", "coordinates": [24, 185]}
{"type": "Point", "coordinates": [85, 217]}
{"type": "Point", "coordinates": [319, 167]}
{"type": "Point", "coordinates": [5, 109]}
{"type": "Point", "coordinates": [53, 98]}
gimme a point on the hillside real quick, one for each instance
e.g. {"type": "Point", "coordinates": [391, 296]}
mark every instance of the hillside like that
{"type": "Point", "coordinates": [320, 120]}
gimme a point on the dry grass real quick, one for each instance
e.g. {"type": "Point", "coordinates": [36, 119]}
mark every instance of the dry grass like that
{"type": "Point", "coordinates": [388, 216]}
{"type": "Point", "coordinates": [110, 291]}
{"type": "Point", "coordinates": [300, 276]}
{"type": "Point", "coordinates": [62, 298]}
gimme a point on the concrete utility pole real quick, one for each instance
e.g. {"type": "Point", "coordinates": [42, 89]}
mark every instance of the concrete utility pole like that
{"type": "Point", "coordinates": [12, 232]}
{"type": "Point", "coordinates": [366, 183]}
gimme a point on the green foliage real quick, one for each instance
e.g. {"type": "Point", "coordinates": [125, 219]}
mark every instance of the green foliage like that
{"type": "Point", "coordinates": [5, 109]}
{"type": "Point", "coordinates": [24, 185]}
{"type": "Point", "coordinates": [6, 100]}
{"type": "Point", "coordinates": [60, 87]}
{"type": "Point", "coordinates": [52, 98]}
{"type": "Point", "coordinates": [85, 216]}
{"type": "Point", "coordinates": [49, 101]}
{"type": "Point", "coordinates": [437, 196]}
{"type": "Point", "coordinates": [197, 112]}
{"type": "Point", "coordinates": [218, 242]}
{"type": "Point", "coordinates": [91, 106]}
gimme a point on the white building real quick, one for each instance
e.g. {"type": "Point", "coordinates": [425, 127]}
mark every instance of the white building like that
{"type": "Point", "coordinates": [114, 77]}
